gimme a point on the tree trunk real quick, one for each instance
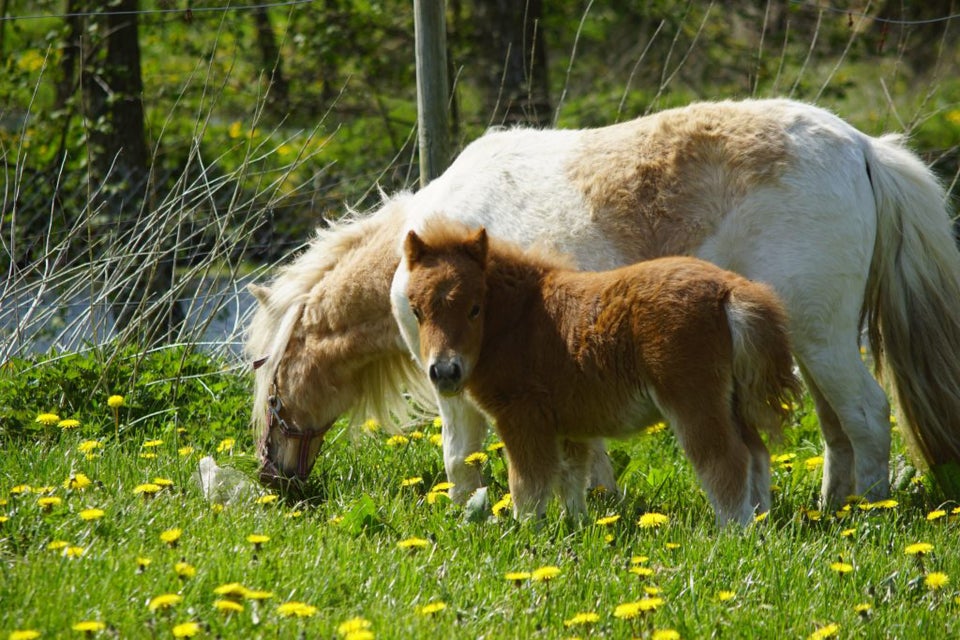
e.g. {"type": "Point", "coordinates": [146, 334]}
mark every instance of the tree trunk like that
{"type": "Point", "coordinates": [278, 97]}
{"type": "Point", "coordinates": [519, 84]}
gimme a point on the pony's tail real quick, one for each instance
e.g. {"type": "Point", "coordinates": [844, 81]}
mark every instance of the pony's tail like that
{"type": "Point", "coordinates": [763, 378]}
{"type": "Point", "coordinates": [912, 304]}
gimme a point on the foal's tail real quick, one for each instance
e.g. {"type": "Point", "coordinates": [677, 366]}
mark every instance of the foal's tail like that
{"type": "Point", "coordinates": [912, 304]}
{"type": "Point", "coordinates": [763, 377]}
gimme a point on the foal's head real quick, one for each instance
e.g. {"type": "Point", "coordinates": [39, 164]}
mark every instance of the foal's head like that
{"type": "Point", "coordinates": [447, 291]}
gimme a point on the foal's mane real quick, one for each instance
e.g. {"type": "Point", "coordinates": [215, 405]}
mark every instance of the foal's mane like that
{"type": "Point", "coordinates": [443, 234]}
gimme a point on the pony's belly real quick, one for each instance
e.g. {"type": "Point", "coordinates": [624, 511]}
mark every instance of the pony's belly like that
{"type": "Point", "coordinates": [629, 418]}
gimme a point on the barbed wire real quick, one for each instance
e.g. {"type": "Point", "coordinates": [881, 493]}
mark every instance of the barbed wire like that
{"type": "Point", "coordinates": [172, 10]}
{"type": "Point", "coordinates": [816, 6]}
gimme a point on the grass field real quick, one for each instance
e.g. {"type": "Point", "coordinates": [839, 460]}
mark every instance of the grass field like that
{"type": "Point", "coordinates": [377, 550]}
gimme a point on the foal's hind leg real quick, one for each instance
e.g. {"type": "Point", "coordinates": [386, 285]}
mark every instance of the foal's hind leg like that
{"type": "Point", "coordinates": [574, 471]}
{"type": "Point", "coordinates": [719, 455]}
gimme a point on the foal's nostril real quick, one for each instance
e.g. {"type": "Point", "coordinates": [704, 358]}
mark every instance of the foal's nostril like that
{"type": "Point", "coordinates": [434, 373]}
{"type": "Point", "coordinates": [454, 372]}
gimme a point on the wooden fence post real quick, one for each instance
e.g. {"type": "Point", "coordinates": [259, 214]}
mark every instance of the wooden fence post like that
{"type": "Point", "coordinates": [433, 94]}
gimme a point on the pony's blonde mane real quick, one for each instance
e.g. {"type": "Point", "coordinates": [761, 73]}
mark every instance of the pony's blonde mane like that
{"type": "Point", "coordinates": [291, 295]}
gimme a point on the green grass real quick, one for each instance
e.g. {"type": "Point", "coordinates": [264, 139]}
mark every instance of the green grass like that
{"type": "Point", "coordinates": [338, 551]}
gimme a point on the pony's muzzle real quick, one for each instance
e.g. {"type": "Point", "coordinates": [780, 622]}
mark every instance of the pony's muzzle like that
{"type": "Point", "coordinates": [446, 374]}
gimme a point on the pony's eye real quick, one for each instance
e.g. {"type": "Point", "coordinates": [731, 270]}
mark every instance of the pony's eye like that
{"type": "Point", "coordinates": [474, 311]}
{"type": "Point", "coordinates": [417, 314]}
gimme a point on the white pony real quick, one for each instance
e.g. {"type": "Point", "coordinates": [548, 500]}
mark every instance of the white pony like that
{"type": "Point", "coordinates": [850, 230]}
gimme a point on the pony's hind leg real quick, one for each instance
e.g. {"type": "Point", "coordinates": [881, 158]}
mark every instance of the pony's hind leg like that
{"type": "Point", "coordinates": [856, 455]}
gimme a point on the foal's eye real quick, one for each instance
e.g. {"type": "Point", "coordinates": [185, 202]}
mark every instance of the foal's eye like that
{"type": "Point", "coordinates": [474, 311]}
{"type": "Point", "coordinates": [417, 314]}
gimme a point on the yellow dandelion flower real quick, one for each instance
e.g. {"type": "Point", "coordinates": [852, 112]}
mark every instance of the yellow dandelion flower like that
{"type": "Point", "coordinates": [665, 634]}
{"type": "Point", "coordinates": [416, 435]}
{"type": "Point", "coordinates": [165, 601]}
{"type": "Point", "coordinates": [782, 458]}
{"type": "Point", "coordinates": [171, 536]}
{"type": "Point", "coordinates": [148, 455]}
{"type": "Point", "coordinates": [231, 590]}
{"type": "Point", "coordinates": [147, 489]}
{"type": "Point", "coordinates": [496, 446]}
{"type": "Point", "coordinates": [814, 463]}
{"type": "Point", "coordinates": [44, 489]}
{"type": "Point", "coordinates": [630, 610]}
{"type": "Point", "coordinates": [724, 595]}
{"type": "Point", "coordinates": [438, 423]}
{"type": "Point", "coordinates": [257, 594]}
{"type": "Point", "coordinates": [936, 515]}
{"type": "Point", "coordinates": [23, 634]}
{"type": "Point", "coordinates": [413, 543]}
{"type": "Point", "coordinates": [184, 451]}
{"type": "Point", "coordinates": [115, 402]}
{"type": "Point", "coordinates": [760, 517]}
{"type": "Point", "coordinates": [862, 609]}
{"type": "Point", "coordinates": [516, 577]}
{"type": "Point", "coordinates": [20, 488]}
{"type": "Point", "coordinates": [68, 424]}
{"type": "Point", "coordinates": [74, 551]}
{"type": "Point", "coordinates": [226, 444]}
{"type": "Point", "coordinates": [431, 608]}
{"type": "Point", "coordinates": [397, 440]}
{"type": "Point", "coordinates": [293, 514]}
{"type": "Point", "coordinates": [186, 629]}
{"type": "Point", "coordinates": [936, 580]}
{"type": "Point", "coordinates": [163, 482]}
{"type": "Point", "coordinates": [184, 570]}
{"type": "Point", "coordinates": [257, 540]}
{"type": "Point", "coordinates": [639, 559]}
{"type": "Point", "coordinates": [371, 425]}
{"type": "Point", "coordinates": [143, 563]}
{"type": "Point", "coordinates": [270, 498]}
{"type": "Point", "coordinates": [88, 626]}
{"type": "Point", "coordinates": [476, 459]}
{"type": "Point", "coordinates": [671, 546]}
{"type": "Point", "coordinates": [846, 533]}
{"type": "Point", "coordinates": [655, 428]}
{"type": "Point", "coordinates": [227, 606]}
{"type": "Point", "coordinates": [826, 631]}
{"type": "Point", "coordinates": [436, 440]}
{"type": "Point", "coordinates": [501, 505]}
{"type": "Point", "coordinates": [588, 617]}
{"type": "Point", "coordinates": [608, 520]}
{"type": "Point", "coordinates": [442, 486]}
{"type": "Point", "coordinates": [77, 482]}
{"type": "Point", "coordinates": [881, 504]}
{"type": "Point", "coordinates": [812, 515]}
{"type": "Point", "coordinates": [91, 514]}
{"type": "Point", "coordinates": [296, 609]}
{"type": "Point", "coordinates": [545, 574]}
{"type": "Point", "coordinates": [650, 590]}
{"type": "Point", "coordinates": [235, 130]}
{"type": "Point", "coordinates": [152, 444]}
{"type": "Point", "coordinates": [57, 545]}
{"type": "Point", "coordinates": [48, 419]}
{"type": "Point", "coordinates": [643, 572]}
{"type": "Point", "coordinates": [653, 520]}
{"type": "Point", "coordinates": [47, 503]}
{"type": "Point", "coordinates": [841, 567]}
{"type": "Point", "coordinates": [89, 446]}
{"type": "Point", "coordinates": [410, 482]}
{"type": "Point", "coordinates": [353, 625]}
{"type": "Point", "coordinates": [918, 548]}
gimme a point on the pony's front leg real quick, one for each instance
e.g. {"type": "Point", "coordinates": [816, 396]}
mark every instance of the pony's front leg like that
{"type": "Point", "coordinates": [574, 471]}
{"type": "Point", "coordinates": [464, 429]}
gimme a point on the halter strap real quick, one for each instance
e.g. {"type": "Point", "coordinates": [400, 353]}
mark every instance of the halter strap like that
{"type": "Point", "coordinates": [292, 431]}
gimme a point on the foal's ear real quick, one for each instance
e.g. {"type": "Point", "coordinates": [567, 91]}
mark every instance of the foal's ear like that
{"type": "Point", "coordinates": [413, 248]}
{"type": "Point", "coordinates": [477, 246]}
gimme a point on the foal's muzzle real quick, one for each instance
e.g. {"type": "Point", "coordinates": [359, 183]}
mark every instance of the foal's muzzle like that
{"type": "Point", "coordinates": [446, 374]}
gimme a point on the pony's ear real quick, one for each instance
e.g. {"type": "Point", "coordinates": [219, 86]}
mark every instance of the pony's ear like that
{"type": "Point", "coordinates": [413, 248]}
{"type": "Point", "coordinates": [262, 294]}
{"type": "Point", "coordinates": [477, 246]}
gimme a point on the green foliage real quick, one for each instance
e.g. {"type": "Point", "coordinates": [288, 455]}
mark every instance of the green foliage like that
{"type": "Point", "coordinates": [375, 539]}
